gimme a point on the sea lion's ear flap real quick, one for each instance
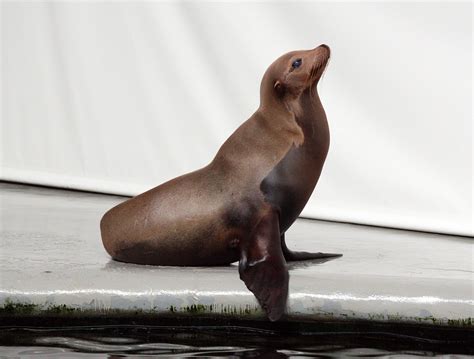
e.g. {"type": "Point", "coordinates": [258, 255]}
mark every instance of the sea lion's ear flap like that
{"type": "Point", "coordinates": [262, 267]}
{"type": "Point", "coordinates": [279, 87]}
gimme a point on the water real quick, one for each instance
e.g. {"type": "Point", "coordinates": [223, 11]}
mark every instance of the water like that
{"type": "Point", "coordinates": [51, 352]}
{"type": "Point", "coordinates": [221, 341]}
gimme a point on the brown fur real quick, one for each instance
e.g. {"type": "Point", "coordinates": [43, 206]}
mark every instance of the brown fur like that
{"type": "Point", "coordinates": [270, 164]}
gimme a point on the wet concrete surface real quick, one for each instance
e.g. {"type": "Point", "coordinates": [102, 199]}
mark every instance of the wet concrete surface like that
{"type": "Point", "coordinates": [51, 257]}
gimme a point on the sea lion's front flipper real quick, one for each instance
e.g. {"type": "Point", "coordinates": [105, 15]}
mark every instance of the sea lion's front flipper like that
{"type": "Point", "coordinates": [301, 256]}
{"type": "Point", "coordinates": [262, 266]}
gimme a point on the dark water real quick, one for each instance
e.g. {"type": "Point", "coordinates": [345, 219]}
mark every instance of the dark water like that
{"type": "Point", "coordinates": [161, 350]}
{"type": "Point", "coordinates": [234, 342]}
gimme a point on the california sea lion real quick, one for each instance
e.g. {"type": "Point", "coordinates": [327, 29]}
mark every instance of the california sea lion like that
{"type": "Point", "coordinates": [239, 206]}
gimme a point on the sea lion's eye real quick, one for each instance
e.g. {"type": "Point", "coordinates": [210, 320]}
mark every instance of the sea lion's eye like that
{"type": "Point", "coordinates": [296, 63]}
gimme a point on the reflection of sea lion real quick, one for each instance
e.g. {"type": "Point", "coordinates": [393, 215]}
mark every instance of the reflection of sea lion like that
{"type": "Point", "coordinates": [239, 206]}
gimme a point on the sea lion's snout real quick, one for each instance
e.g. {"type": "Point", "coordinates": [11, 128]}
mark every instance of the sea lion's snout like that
{"type": "Point", "coordinates": [325, 47]}
{"type": "Point", "coordinates": [321, 56]}
{"type": "Point", "coordinates": [322, 53]}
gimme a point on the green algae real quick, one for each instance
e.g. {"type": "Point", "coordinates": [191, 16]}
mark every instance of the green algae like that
{"type": "Point", "coordinates": [197, 309]}
{"type": "Point", "coordinates": [466, 322]}
{"type": "Point", "coordinates": [19, 308]}
{"type": "Point", "coordinates": [13, 308]}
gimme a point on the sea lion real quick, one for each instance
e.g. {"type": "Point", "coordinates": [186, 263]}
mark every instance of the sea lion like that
{"type": "Point", "coordinates": [239, 206]}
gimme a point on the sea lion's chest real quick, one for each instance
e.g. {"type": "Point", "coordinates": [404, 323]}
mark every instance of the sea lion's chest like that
{"type": "Point", "coordinates": [290, 183]}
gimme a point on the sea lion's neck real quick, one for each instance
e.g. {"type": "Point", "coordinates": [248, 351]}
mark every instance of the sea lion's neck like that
{"type": "Point", "coordinates": [307, 113]}
{"type": "Point", "coordinates": [313, 120]}
{"type": "Point", "coordinates": [272, 107]}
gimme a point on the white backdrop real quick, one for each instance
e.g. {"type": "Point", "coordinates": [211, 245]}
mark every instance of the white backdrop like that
{"type": "Point", "coordinates": [119, 97]}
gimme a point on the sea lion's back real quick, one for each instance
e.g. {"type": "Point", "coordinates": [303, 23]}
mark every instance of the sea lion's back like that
{"type": "Point", "coordinates": [159, 227]}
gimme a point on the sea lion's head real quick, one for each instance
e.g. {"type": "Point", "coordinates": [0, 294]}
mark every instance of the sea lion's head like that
{"type": "Point", "coordinates": [293, 74]}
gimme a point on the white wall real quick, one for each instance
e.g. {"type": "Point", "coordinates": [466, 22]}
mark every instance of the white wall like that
{"type": "Point", "coordinates": [119, 97]}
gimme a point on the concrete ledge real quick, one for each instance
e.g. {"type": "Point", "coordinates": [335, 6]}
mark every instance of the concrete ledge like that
{"type": "Point", "coordinates": [52, 263]}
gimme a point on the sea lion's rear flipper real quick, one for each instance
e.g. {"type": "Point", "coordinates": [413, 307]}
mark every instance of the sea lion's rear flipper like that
{"type": "Point", "coordinates": [262, 266]}
{"type": "Point", "coordinates": [301, 256]}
